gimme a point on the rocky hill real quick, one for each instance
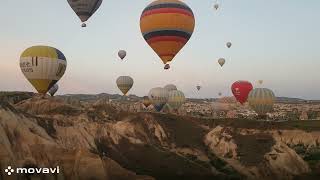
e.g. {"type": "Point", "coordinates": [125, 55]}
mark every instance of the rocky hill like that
{"type": "Point", "coordinates": [100, 141]}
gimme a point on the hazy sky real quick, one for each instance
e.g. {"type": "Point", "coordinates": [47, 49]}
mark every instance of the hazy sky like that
{"type": "Point", "coordinates": [273, 40]}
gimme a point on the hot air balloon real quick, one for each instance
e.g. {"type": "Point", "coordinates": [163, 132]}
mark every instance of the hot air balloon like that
{"type": "Point", "coordinates": [167, 25]}
{"type": "Point", "coordinates": [241, 90]}
{"type": "Point", "coordinates": [220, 94]}
{"type": "Point", "coordinates": [198, 87]}
{"type": "Point", "coordinates": [216, 6]}
{"type": "Point", "coordinates": [221, 61]}
{"type": "Point", "coordinates": [159, 97]}
{"type": "Point", "coordinates": [170, 87]}
{"type": "Point", "coordinates": [261, 100]}
{"type": "Point", "coordinates": [176, 99]}
{"type": "Point", "coordinates": [43, 66]}
{"type": "Point", "coordinates": [146, 101]}
{"type": "Point", "coordinates": [53, 89]}
{"type": "Point", "coordinates": [229, 44]}
{"type": "Point", "coordinates": [260, 82]}
{"type": "Point", "coordinates": [124, 83]}
{"type": "Point", "coordinates": [84, 8]}
{"type": "Point", "coordinates": [122, 54]}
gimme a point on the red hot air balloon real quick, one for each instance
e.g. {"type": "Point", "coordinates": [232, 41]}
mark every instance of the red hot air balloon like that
{"type": "Point", "coordinates": [241, 90]}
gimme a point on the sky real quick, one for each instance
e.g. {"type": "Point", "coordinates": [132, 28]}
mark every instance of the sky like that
{"type": "Point", "coordinates": [276, 41]}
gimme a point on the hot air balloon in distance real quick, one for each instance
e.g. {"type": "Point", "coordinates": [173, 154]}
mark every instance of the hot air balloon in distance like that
{"type": "Point", "coordinates": [216, 6]}
{"type": "Point", "coordinates": [241, 90]}
{"type": "Point", "coordinates": [159, 97]}
{"type": "Point", "coordinates": [43, 66]}
{"type": "Point", "coordinates": [84, 8]}
{"type": "Point", "coordinates": [171, 87]}
{"type": "Point", "coordinates": [260, 82]}
{"type": "Point", "coordinates": [229, 44]}
{"type": "Point", "coordinates": [122, 54]}
{"type": "Point", "coordinates": [53, 90]}
{"type": "Point", "coordinates": [220, 94]}
{"type": "Point", "coordinates": [146, 101]}
{"type": "Point", "coordinates": [176, 99]}
{"type": "Point", "coordinates": [261, 100]}
{"type": "Point", "coordinates": [198, 87]}
{"type": "Point", "coordinates": [167, 25]}
{"type": "Point", "coordinates": [124, 83]}
{"type": "Point", "coordinates": [221, 61]}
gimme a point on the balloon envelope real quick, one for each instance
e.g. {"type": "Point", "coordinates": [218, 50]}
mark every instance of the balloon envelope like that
{"type": "Point", "coordinates": [159, 97]}
{"type": "Point", "coordinates": [241, 90]}
{"type": "Point", "coordinates": [146, 101]}
{"type": "Point", "coordinates": [261, 100]}
{"type": "Point", "coordinates": [229, 44]}
{"type": "Point", "coordinates": [84, 8]}
{"type": "Point", "coordinates": [53, 89]}
{"type": "Point", "coordinates": [260, 82]}
{"type": "Point", "coordinates": [167, 26]}
{"type": "Point", "coordinates": [176, 99]}
{"type": "Point", "coordinates": [122, 54]}
{"type": "Point", "coordinates": [171, 87]}
{"type": "Point", "coordinates": [216, 6]}
{"type": "Point", "coordinates": [124, 83]}
{"type": "Point", "coordinates": [43, 66]}
{"type": "Point", "coordinates": [221, 61]}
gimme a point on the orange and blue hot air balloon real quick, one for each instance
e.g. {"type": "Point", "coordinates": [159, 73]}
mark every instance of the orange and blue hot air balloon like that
{"type": "Point", "coordinates": [167, 25]}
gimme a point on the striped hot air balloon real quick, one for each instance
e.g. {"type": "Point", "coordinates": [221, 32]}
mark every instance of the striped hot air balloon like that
{"type": "Point", "coordinates": [171, 87]}
{"type": "Point", "coordinates": [167, 25]}
{"type": "Point", "coordinates": [159, 97]}
{"type": "Point", "coordinates": [124, 83]}
{"type": "Point", "coordinates": [53, 90]}
{"type": "Point", "coordinates": [84, 8]}
{"type": "Point", "coordinates": [176, 99]}
{"type": "Point", "coordinates": [261, 100]}
{"type": "Point", "coordinates": [43, 66]}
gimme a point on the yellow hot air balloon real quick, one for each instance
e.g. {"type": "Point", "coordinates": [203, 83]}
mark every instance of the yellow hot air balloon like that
{"type": "Point", "coordinates": [124, 83]}
{"type": "Point", "coordinates": [43, 66]}
{"type": "Point", "coordinates": [176, 99]}
{"type": "Point", "coordinates": [167, 25]}
{"type": "Point", "coordinates": [261, 101]}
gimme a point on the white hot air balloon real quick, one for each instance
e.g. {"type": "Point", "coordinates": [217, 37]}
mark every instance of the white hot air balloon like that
{"type": "Point", "coordinates": [171, 87]}
{"type": "Point", "coordinates": [159, 97]}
